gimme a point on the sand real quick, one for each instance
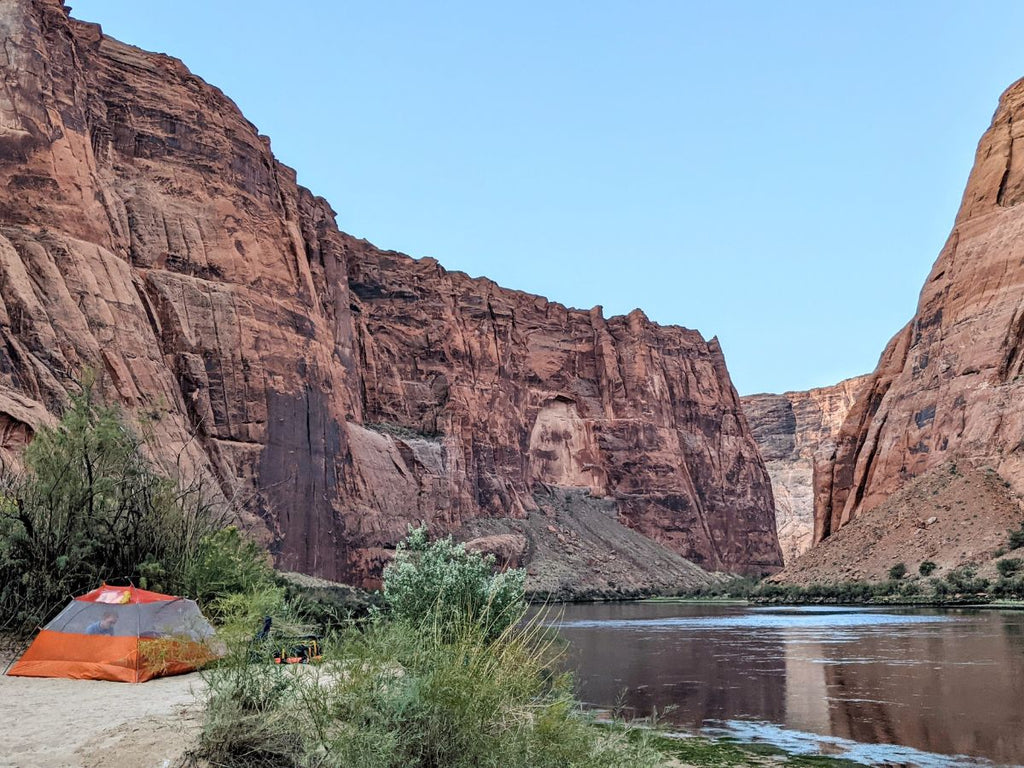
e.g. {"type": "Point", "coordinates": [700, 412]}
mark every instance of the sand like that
{"type": "Point", "coordinates": [51, 723]}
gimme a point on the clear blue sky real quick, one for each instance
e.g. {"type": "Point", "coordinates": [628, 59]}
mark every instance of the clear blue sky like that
{"type": "Point", "coordinates": [779, 174]}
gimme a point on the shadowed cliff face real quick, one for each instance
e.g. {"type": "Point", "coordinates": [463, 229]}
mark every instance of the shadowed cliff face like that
{"type": "Point", "coordinates": [335, 391]}
{"type": "Point", "coordinates": [791, 430]}
{"type": "Point", "coordinates": [949, 385]}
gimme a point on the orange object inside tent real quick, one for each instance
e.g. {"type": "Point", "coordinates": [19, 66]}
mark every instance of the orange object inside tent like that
{"type": "Point", "coordinates": [121, 634]}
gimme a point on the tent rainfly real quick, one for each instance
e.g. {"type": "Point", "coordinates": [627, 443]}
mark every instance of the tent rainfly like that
{"type": "Point", "coordinates": [120, 633]}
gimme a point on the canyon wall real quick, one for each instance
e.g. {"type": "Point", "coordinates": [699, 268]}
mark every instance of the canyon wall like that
{"type": "Point", "coordinates": [334, 392]}
{"type": "Point", "coordinates": [949, 387]}
{"type": "Point", "coordinates": [791, 429]}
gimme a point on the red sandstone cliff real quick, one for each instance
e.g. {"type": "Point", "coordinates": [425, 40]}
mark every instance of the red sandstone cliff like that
{"type": "Point", "coordinates": [791, 429]}
{"type": "Point", "coordinates": [336, 391]}
{"type": "Point", "coordinates": [949, 386]}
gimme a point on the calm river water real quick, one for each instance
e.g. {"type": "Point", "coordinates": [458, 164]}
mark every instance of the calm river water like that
{"type": "Point", "coordinates": [923, 687]}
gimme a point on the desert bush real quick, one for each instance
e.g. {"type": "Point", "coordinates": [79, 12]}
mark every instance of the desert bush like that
{"type": "Point", "coordinates": [927, 568]}
{"type": "Point", "coordinates": [327, 605]}
{"type": "Point", "coordinates": [397, 696]}
{"type": "Point", "coordinates": [87, 508]}
{"type": "Point", "coordinates": [898, 571]}
{"type": "Point", "coordinates": [1016, 538]}
{"type": "Point", "coordinates": [444, 583]}
{"type": "Point", "coordinates": [857, 591]}
{"type": "Point", "coordinates": [736, 587]}
{"type": "Point", "coordinates": [964, 580]}
{"type": "Point", "coordinates": [1009, 587]}
{"type": "Point", "coordinates": [1008, 566]}
{"type": "Point", "coordinates": [833, 592]}
{"type": "Point", "coordinates": [909, 588]}
{"type": "Point", "coordinates": [773, 592]}
{"type": "Point", "coordinates": [226, 563]}
{"type": "Point", "coordinates": [254, 714]}
{"type": "Point", "coordinates": [463, 699]}
{"type": "Point", "coordinates": [886, 588]}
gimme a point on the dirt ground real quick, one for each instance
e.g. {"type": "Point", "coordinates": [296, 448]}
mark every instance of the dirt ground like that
{"type": "Point", "coordinates": [51, 723]}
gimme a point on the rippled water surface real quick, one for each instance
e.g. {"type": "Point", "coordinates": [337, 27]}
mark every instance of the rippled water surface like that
{"type": "Point", "coordinates": [909, 686]}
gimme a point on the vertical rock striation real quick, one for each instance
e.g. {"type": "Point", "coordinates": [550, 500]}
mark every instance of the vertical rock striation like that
{"type": "Point", "coordinates": [791, 430]}
{"type": "Point", "coordinates": [335, 391]}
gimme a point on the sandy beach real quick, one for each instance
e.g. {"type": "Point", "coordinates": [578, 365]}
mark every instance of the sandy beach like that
{"type": "Point", "coordinates": [55, 723]}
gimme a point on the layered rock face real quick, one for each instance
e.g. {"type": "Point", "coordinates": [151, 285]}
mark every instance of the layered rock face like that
{"type": "Point", "coordinates": [334, 391]}
{"type": "Point", "coordinates": [950, 386]}
{"type": "Point", "coordinates": [791, 429]}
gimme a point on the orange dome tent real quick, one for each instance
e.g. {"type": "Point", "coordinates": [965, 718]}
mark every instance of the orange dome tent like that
{"type": "Point", "coordinates": [120, 633]}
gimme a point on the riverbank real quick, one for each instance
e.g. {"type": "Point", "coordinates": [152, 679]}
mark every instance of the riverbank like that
{"type": "Point", "coordinates": [85, 723]}
{"type": "Point", "coordinates": [973, 602]}
{"type": "Point", "coordinates": [889, 601]}
{"type": "Point", "coordinates": [696, 751]}
{"type": "Point", "coordinates": [967, 585]}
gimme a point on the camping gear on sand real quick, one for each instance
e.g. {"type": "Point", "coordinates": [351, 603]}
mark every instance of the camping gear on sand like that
{"type": "Point", "coordinates": [120, 633]}
{"type": "Point", "coordinates": [299, 650]}
{"type": "Point", "coordinates": [286, 650]}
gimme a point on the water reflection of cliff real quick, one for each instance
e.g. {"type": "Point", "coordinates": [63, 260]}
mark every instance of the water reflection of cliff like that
{"type": "Point", "coordinates": [951, 689]}
{"type": "Point", "coordinates": [806, 692]}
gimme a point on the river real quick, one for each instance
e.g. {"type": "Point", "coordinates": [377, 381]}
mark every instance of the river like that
{"type": "Point", "coordinates": [924, 687]}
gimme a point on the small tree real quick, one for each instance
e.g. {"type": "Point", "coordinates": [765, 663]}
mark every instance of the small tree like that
{"type": "Point", "coordinates": [444, 583]}
{"type": "Point", "coordinates": [89, 508]}
{"type": "Point", "coordinates": [927, 568]}
{"type": "Point", "coordinates": [898, 571]}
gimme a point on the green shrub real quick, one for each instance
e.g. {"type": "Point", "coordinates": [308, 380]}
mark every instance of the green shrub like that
{"type": "Point", "coordinates": [909, 588]}
{"type": "Point", "coordinates": [253, 707]}
{"type": "Point", "coordinates": [885, 588]}
{"type": "Point", "coordinates": [394, 696]}
{"type": "Point", "coordinates": [927, 568]}
{"type": "Point", "coordinates": [737, 587]}
{"type": "Point", "coordinates": [1016, 538]}
{"type": "Point", "coordinates": [964, 580]}
{"type": "Point", "coordinates": [898, 571]}
{"type": "Point", "coordinates": [1008, 566]}
{"type": "Point", "coordinates": [90, 508]}
{"type": "Point", "coordinates": [443, 583]}
{"type": "Point", "coordinates": [226, 563]}
{"type": "Point", "coordinates": [1007, 587]}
